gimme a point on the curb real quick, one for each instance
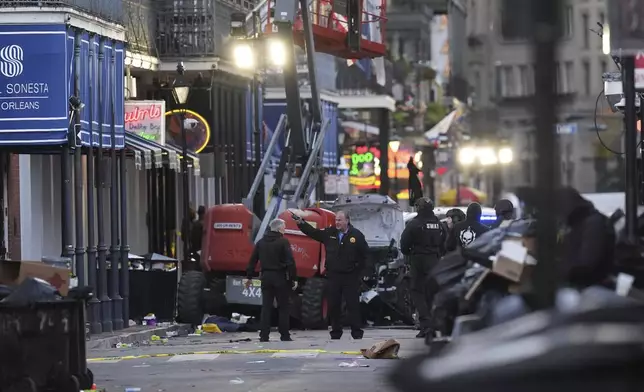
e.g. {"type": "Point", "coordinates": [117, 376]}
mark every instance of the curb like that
{"type": "Point", "coordinates": [236, 352]}
{"type": "Point", "coordinates": [135, 337]}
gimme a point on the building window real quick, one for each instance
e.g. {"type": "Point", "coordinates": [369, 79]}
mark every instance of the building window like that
{"type": "Point", "coordinates": [508, 83]}
{"type": "Point", "coordinates": [569, 77]}
{"type": "Point", "coordinates": [524, 81]}
{"type": "Point", "coordinates": [568, 25]}
{"type": "Point", "coordinates": [497, 81]}
{"type": "Point", "coordinates": [558, 82]}
{"type": "Point", "coordinates": [585, 30]}
{"type": "Point", "coordinates": [515, 19]}
{"type": "Point", "coordinates": [587, 77]}
{"type": "Point", "coordinates": [476, 84]}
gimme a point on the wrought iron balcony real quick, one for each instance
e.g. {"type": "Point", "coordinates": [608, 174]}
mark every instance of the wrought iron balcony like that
{"type": "Point", "coordinates": [141, 25]}
{"type": "Point", "coordinates": [109, 10]}
{"type": "Point", "coordinates": [195, 28]}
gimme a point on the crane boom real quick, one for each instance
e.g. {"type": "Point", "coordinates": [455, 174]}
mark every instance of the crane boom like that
{"type": "Point", "coordinates": [299, 167]}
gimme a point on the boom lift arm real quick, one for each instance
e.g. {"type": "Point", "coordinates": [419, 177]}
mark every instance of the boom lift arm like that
{"type": "Point", "coordinates": [298, 170]}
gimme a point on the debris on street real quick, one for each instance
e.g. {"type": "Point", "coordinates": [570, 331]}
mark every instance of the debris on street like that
{"type": "Point", "coordinates": [236, 381]}
{"type": "Point", "coordinates": [352, 364]}
{"type": "Point", "coordinates": [387, 349]}
{"type": "Point", "coordinates": [150, 320]}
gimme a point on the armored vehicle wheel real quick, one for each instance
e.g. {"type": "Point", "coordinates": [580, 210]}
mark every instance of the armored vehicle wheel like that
{"type": "Point", "coordinates": [190, 298]}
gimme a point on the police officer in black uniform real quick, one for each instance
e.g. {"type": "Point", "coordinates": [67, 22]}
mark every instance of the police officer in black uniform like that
{"type": "Point", "coordinates": [504, 212]}
{"type": "Point", "coordinates": [346, 253]}
{"type": "Point", "coordinates": [423, 240]}
{"type": "Point", "coordinates": [278, 272]}
{"type": "Point", "coordinates": [465, 232]}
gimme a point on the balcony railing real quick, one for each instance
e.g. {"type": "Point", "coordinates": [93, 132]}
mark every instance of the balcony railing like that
{"type": "Point", "coordinates": [196, 28]}
{"type": "Point", "coordinates": [141, 25]}
{"type": "Point", "coordinates": [109, 10]}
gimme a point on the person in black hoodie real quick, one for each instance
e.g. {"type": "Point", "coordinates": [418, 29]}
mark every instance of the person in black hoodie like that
{"type": "Point", "coordinates": [196, 232]}
{"type": "Point", "coordinates": [278, 272]}
{"type": "Point", "coordinates": [588, 241]}
{"type": "Point", "coordinates": [346, 256]}
{"type": "Point", "coordinates": [464, 233]}
{"type": "Point", "coordinates": [504, 211]}
{"type": "Point", "coordinates": [423, 241]}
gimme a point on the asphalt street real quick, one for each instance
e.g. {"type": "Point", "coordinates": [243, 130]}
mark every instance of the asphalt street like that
{"type": "Point", "coordinates": [229, 362]}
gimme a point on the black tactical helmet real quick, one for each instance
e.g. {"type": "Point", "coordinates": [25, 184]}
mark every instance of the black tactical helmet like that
{"type": "Point", "coordinates": [424, 204]}
{"type": "Point", "coordinates": [456, 214]}
{"type": "Point", "coordinates": [504, 207]}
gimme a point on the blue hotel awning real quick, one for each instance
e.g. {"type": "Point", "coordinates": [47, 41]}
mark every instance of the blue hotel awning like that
{"type": "Point", "coordinates": [33, 85]}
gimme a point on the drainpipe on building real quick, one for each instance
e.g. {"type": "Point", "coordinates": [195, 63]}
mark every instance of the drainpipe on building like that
{"type": "Point", "coordinates": [66, 192]}
{"type": "Point", "coordinates": [117, 301]}
{"type": "Point", "coordinates": [78, 170]}
{"type": "Point", "coordinates": [92, 278]}
{"type": "Point", "coordinates": [106, 303]}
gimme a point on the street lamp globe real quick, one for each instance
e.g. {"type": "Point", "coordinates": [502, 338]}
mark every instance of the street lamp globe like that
{"type": "Point", "coordinates": [505, 155]}
{"type": "Point", "coordinates": [466, 156]}
{"type": "Point", "coordinates": [487, 156]}
{"type": "Point", "coordinates": [181, 94]}
{"type": "Point", "coordinates": [394, 145]}
{"type": "Point", "coordinates": [180, 89]}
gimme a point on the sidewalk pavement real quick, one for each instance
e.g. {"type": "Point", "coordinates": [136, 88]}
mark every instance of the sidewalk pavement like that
{"type": "Point", "coordinates": [133, 335]}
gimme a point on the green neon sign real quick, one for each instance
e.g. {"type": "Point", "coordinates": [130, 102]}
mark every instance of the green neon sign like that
{"type": "Point", "coordinates": [357, 160]}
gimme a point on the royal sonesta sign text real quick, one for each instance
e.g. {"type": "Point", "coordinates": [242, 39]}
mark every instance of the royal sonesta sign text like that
{"type": "Point", "coordinates": [34, 73]}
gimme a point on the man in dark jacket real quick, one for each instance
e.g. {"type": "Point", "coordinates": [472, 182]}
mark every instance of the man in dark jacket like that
{"type": "Point", "coordinates": [274, 253]}
{"type": "Point", "coordinates": [588, 241]}
{"type": "Point", "coordinates": [196, 233]}
{"type": "Point", "coordinates": [504, 212]}
{"type": "Point", "coordinates": [346, 254]}
{"type": "Point", "coordinates": [464, 233]}
{"type": "Point", "coordinates": [422, 241]}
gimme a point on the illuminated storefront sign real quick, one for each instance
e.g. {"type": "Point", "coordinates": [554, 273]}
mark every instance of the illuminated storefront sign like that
{"type": "Point", "coordinates": [364, 166]}
{"type": "Point", "coordinates": [146, 119]}
{"type": "Point", "coordinates": [358, 161]}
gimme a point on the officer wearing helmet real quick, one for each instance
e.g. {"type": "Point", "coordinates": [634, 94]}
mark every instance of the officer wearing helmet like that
{"type": "Point", "coordinates": [504, 212]}
{"type": "Point", "coordinates": [423, 242]}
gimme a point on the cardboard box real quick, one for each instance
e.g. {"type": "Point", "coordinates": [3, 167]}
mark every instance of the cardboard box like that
{"type": "Point", "coordinates": [513, 261]}
{"type": "Point", "coordinates": [14, 272]}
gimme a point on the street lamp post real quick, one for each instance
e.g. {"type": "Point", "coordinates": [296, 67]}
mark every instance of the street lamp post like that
{"type": "Point", "coordinates": [485, 156]}
{"type": "Point", "coordinates": [394, 145]}
{"type": "Point", "coordinates": [180, 91]}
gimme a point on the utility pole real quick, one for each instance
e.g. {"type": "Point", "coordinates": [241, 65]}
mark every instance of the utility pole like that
{"type": "Point", "coordinates": [626, 41]}
{"type": "Point", "coordinates": [545, 15]}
